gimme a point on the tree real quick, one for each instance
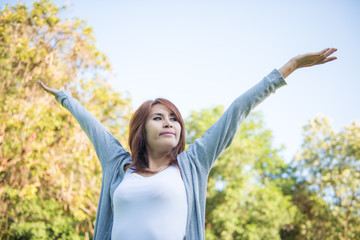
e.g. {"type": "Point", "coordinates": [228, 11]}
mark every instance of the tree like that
{"type": "Point", "coordinates": [329, 166]}
{"type": "Point", "coordinates": [49, 173]}
{"type": "Point", "coordinates": [244, 200]}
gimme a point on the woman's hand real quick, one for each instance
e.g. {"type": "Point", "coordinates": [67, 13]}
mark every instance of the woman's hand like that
{"type": "Point", "coordinates": [52, 90]}
{"type": "Point", "coordinates": [307, 60]}
{"type": "Point", "coordinates": [312, 59]}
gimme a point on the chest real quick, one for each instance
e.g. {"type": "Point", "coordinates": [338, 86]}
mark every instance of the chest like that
{"type": "Point", "coordinates": [150, 207]}
{"type": "Point", "coordinates": [165, 187]}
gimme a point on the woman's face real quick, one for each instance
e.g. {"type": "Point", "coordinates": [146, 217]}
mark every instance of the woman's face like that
{"type": "Point", "coordinates": [162, 130]}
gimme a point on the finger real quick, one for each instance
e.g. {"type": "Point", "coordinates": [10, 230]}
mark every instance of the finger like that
{"type": "Point", "coordinates": [42, 85]}
{"type": "Point", "coordinates": [329, 59]}
{"type": "Point", "coordinates": [66, 86]}
{"type": "Point", "coordinates": [323, 52]}
{"type": "Point", "coordinates": [332, 51]}
{"type": "Point", "coordinates": [329, 51]}
{"type": "Point", "coordinates": [47, 89]}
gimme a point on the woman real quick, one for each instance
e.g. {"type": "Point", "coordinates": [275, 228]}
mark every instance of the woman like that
{"type": "Point", "coordinates": [159, 190]}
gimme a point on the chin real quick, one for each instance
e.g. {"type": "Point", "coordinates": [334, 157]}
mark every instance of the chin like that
{"type": "Point", "coordinates": [168, 147]}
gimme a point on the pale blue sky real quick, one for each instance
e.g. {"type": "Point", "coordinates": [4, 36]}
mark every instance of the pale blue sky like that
{"type": "Point", "coordinates": [200, 54]}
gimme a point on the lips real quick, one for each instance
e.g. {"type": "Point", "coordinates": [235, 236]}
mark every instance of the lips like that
{"type": "Point", "coordinates": [167, 133]}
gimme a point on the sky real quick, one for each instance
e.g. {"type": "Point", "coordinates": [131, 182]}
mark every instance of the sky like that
{"type": "Point", "coordinates": [200, 54]}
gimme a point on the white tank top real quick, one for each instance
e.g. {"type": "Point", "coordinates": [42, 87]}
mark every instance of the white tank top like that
{"type": "Point", "coordinates": [150, 207]}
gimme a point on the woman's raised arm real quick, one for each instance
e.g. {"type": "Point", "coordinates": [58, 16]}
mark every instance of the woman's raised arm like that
{"type": "Point", "coordinates": [205, 150]}
{"type": "Point", "coordinates": [107, 147]}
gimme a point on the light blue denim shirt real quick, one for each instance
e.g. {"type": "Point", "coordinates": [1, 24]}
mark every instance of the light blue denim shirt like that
{"type": "Point", "coordinates": [195, 163]}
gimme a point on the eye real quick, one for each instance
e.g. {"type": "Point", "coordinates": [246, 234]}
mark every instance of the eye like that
{"type": "Point", "coordinates": [173, 119]}
{"type": "Point", "coordinates": [157, 118]}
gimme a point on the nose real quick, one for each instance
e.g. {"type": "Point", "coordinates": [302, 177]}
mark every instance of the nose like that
{"type": "Point", "coordinates": [168, 124]}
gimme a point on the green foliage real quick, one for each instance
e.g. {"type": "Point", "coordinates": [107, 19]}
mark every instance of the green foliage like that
{"type": "Point", "coordinates": [243, 198]}
{"type": "Point", "coordinates": [328, 191]}
{"type": "Point", "coordinates": [49, 173]}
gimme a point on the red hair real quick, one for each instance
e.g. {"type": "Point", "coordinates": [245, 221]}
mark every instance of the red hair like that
{"type": "Point", "coordinates": [137, 135]}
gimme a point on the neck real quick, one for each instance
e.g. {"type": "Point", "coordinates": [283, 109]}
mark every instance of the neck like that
{"type": "Point", "coordinates": [158, 162]}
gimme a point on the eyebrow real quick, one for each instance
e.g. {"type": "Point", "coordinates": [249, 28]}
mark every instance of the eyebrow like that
{"type": "Point", "coordinates": [161, 114]}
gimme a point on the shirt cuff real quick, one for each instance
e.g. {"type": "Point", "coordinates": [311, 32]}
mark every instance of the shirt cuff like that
{"type": "Point", "coordinates": [61, 95]}
{"type": "Point", "coordinates": [276, 79]}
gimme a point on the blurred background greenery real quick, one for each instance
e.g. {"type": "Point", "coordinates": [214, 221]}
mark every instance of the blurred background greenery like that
{"type": "Point", "coordinates": [50, 176]}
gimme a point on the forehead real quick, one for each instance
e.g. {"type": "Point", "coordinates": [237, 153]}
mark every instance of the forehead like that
{"type": "Point", "coordinates": [159, 108]}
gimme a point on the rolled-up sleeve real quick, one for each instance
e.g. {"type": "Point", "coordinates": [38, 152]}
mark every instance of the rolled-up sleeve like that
{"type": "Point", "coordinates": [107, 147]}
{"type": "Point", "coordinates": [205, 150]}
